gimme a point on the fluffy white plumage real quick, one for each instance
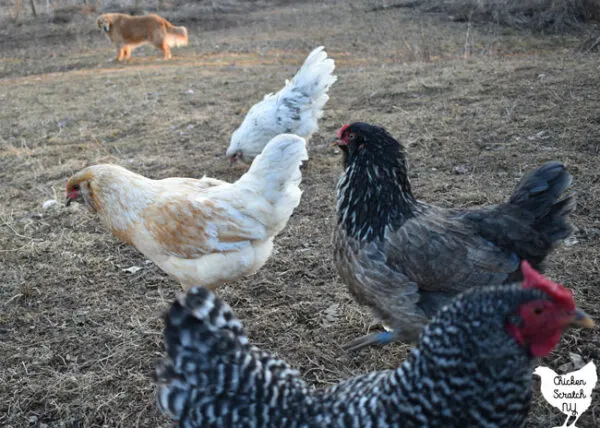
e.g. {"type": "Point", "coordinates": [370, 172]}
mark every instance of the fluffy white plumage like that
{"type": "Point", "coordinates": [295, 109]}
{"type": "Point", "coordinates": [201, 232]}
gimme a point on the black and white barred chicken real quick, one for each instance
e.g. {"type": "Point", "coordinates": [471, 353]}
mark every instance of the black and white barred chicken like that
{"type": "Point", "coordinates": [472, 367]}
{"type": "Point", "coordinates": [405, 259]}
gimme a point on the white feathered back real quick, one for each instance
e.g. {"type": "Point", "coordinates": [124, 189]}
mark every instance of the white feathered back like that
{"type": "Point", "coordinates": [278, 166]}
{"type": "Point", "coordinates": [295, 109]}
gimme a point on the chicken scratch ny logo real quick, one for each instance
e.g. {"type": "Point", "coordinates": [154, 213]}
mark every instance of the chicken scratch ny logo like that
{"type": "Point", "coordinates": [570, 393]}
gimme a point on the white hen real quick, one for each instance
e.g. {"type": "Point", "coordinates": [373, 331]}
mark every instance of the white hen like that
{"type": "Point", "coordinates": [201, 232]}
{"type": "Point", "coordinates": [295, 109]}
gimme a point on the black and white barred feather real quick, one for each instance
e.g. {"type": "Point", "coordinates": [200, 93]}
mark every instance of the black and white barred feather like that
{"type": "Point", "coordinates": [213, 377]}
{"type": "Point", "coordinates": [466, 371]}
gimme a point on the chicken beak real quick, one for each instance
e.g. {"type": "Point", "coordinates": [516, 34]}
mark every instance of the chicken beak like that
{"type": "Point", "coordinates": [73, 196]}
{"type": "Point", "coordinates": [582, 320]}
{"type": "Point", "coordinates": [335, 142]}
{"type": "Point", "coordinates": [234, 158]}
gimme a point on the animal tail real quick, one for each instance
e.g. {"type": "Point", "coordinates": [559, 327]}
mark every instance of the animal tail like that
{"type": "Point", "coordinates": [277, 169]}
{"type": "Point", "coordinates": [314, 79]}
{"type": "Point", "coordinates": [542, 193]}
{"type": "Point", "coordinates": [205, 343]}
{"type": "Point", "coordinates": [176, 36]}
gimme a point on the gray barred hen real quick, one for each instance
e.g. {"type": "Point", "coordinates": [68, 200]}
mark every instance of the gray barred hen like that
{"type": "Point", "coordinates": [472, 367]}
{"type": "Point", "coordinates": [405, 259]}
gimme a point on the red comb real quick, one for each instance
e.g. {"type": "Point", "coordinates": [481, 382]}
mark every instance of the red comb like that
{"type": "Point", "coordinates": [534, 279]}
{"type": "Point", "coordinates": [342, 130]}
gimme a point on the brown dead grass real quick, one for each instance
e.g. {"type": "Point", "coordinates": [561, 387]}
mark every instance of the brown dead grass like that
{"type": "Point", "coordinates": [540, 15]}
{"type": "Point", "coordinates": [79, 336]}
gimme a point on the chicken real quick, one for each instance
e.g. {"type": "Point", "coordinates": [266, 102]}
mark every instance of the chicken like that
{"type": "Point", "coordinates": [405, 259]}
{"type": "Point", "coordinates": [201, 232]}
{"type": "Point", "coordinates": [570, 393]}
{"type": "Point", "coordinates": [295, 109]}
{"type": "Point", "coordinates": [471, 368]}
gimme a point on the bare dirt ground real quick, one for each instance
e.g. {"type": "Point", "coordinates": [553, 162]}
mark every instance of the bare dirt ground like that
{"type": "Point", "coordinates": [79, 336]}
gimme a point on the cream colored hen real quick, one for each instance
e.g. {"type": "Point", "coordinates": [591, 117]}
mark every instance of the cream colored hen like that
{"type": "Point", "coordinates": [201, 232]}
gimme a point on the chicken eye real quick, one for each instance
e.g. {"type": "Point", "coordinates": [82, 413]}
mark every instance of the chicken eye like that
{"type": "Point", "coordinates": [351, 136]}
{"type": "Point", "coordinates": [538, 311]}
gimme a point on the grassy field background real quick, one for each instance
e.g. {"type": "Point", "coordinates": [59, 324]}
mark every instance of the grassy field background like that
{"type": "Point", "coordinates": [477, 104]}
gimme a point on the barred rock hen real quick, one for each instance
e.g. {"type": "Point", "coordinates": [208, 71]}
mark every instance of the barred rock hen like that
{"type": "Point", "coordinates": [201, 232]}
{"type": "Point", "coordinates": [471, 368]}
{"type": "Point", "coordinates": [295, 109]}
{"type": "Point", "coordinates": [405, 259]}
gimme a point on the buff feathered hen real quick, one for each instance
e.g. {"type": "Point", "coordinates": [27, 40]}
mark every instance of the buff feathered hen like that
{"type": "Point", "coordinates": [202, 232]}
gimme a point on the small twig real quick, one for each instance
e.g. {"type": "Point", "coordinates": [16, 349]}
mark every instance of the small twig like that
{"type": "Point", "coordinates": [593, 46]}
{"type": "Point", "coordinates": [467, 48]}
{"type": "Point", "coordinates": [11, 250]}
{"type": "Point", "coordinates": [16, 296]}
{"type": "Point", "coordinates": [94, 362]}
{"type": "Point", "coordinates": [399, 108]}
{"type": "Point", "coordinates": [13, 230]}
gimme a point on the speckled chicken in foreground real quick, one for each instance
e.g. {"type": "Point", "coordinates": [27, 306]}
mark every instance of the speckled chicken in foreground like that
{"type": "Point", "coordinates": [405, 259]}
{"type": "Point", "coordinates": [472, 367]}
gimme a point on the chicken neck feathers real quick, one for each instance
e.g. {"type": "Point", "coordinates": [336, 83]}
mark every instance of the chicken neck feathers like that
{"type": "Point", "coordinates": [374, 194]}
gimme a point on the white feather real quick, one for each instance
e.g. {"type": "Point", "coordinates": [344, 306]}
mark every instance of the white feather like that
{"type": "Point", "coordinates": [295, 109]}
{"type": "Point", "coordinates": [276, 172]}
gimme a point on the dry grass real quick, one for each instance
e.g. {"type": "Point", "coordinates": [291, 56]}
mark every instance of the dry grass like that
{"type": "Point", "coordinates": [541, 15]}
{"type": "Point", "coordinates": [548, 16]}
{"type": "Point", "coordinates": [79, 336]}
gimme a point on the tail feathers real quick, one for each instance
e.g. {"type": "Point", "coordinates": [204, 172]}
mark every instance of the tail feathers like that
{"type": "Point", "coordinates": [314, 78]}
{"type": "Point", "coordinates": [177, 36]}
{"type": "Point", "coordinates": [556, 225]}
{"type": "Point", "coordinates": [539, 189]}
{"type": "Point", "coordinates": [373, 339]}
{"type": "Point", "coordinates": [294, 109]}
{"type": "Point", "coordinates": [200, 333]}
{"type": "Point", "coordinates": [541, 193]}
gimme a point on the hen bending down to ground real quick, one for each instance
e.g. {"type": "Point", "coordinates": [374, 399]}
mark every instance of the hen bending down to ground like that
{"type": "Point", "coordinates": [295, 109]}
{"type": "Point", "coordinates": [201, 232]}
{"type": "Point", "coordinates": [405, 259]}
{"type": "Point", "coordinates": [472, 367]}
